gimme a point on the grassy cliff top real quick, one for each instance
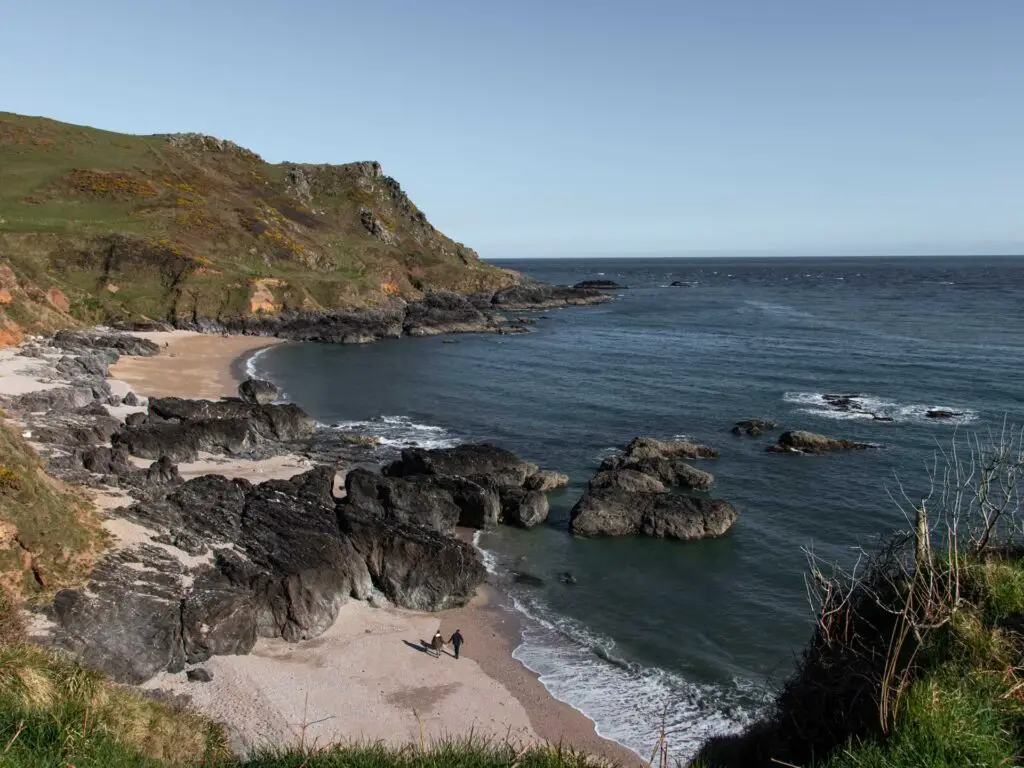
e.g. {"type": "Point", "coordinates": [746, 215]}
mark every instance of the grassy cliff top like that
{"type": "Point", "coordinates": [98, 226]}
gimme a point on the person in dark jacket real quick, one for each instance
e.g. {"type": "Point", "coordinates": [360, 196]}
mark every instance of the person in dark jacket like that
{"type": "Point", "coordinates": [456, 641]}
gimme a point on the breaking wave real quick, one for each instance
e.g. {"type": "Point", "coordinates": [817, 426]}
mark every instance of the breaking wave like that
{"type": "Point", "coordinates": [862, 407]}
{"type": "Point", "coordinates": [400, 432]}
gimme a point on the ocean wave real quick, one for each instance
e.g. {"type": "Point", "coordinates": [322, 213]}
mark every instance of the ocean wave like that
{"type": "Point", "coordinates": [861, 407]}
{"type": "Point", "coordinates": [490, 561]}
{"type": "Point", "coordinates": [251, 368]}
{"type": "Point", "coordinates": [400, 432]}
{"type": "Point", "coordinates": [628, 702]}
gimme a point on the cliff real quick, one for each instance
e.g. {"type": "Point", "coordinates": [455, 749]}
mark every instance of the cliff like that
{"type": "Point", "coordinates": [98, 226]}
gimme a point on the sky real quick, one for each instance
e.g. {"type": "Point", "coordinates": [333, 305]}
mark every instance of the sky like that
{"type": "Point", "coordinates": [743, 127]}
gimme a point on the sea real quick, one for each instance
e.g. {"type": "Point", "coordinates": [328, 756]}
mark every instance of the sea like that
{"type": "Point", "coordinates": [694, 638]}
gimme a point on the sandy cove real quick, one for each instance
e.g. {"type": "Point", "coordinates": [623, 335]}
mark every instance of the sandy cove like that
{"type": "Point", "coordinates": [366, 678]}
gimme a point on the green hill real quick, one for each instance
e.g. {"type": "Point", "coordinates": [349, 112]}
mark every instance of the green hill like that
{"type": "Point", "coordinates": [98, 226]}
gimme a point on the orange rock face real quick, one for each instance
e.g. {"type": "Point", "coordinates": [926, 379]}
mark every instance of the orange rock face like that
{"type": "Point", "coordinates": [57, 298]}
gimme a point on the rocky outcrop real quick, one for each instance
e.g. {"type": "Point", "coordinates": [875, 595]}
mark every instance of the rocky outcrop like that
{"type": "Point", "coordinates": [121, 344]}
{"type": "Point", "coordinates": [800, 441]}
{"type": "Point", "coordinates": [498, 466]}
{"type": "Point", "coordinates": [524, 296]}
{"type": "Point", "coordinates": [599, 285]}
{"type": "Point", "coordinates": [630, 494]}
{"type": "Point", "coordinates": [621, 512]}
{"type": "Point", "coordinates": [258, 392]}
{"type": "Point", "coordinates": [523, 508]}
{"type": "Point", "coordinates": [431, 501]}
{"type": "Point", "coordinates": [665, 461]}
{"type": "Point", "coordinates": [545, 481]}
{"type": "Point", "coordinates": [446, 313]}
{"type": "Point", "coordinates": [179, 429]}
{"type": "Point", "coordinates": [753, 427]}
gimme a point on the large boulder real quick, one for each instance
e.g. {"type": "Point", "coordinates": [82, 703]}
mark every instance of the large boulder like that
{"type": "Point", "coordinates": [127, 620]}
{"type": "Point", "coordinates": [445, 312]}
{"type": "Point", "coordinates": [545, 480]}
{"type": "Point", "coordinates": [258, 392]}
{"type": "Point", "coordinates": [122, 344]}
{"type": "Point", "coordinates": [436, 502]}
{"type": "Point", "coordinates": [217, 619]}
{"type": "Point", "coordinates": [479, 460]}
{"type": "Point", "coordinates": [800, 441]}
{"type": "Point", "coordinates": [649, 447]}
{"type": "Point", "coordinates": [523, 508]}
{"type": "Point", "coordinates": [618, 512]}
{"type": "Point", "coordinates": [414, 567]}
{"type": "Point", "coordinates": [628, 480]}
{"type": "Point", "coordinates": [284, 423]}
{"type": "Point", "coordinates": [669, 470]}
{"type": "Point", "coordinates": [182, 442]}
{"type": "Point", "coordinates": [300, 567]}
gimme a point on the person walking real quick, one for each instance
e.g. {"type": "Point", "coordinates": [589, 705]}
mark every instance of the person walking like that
{"type": "Point", "coordinates": [456, 641]}
{"type": "Point", "coordinates": [436, 643]}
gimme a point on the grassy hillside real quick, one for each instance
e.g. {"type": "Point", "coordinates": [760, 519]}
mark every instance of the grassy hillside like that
{"type": "Point", "coordinates": [98, 226]}
{"type": "Point", "coordinates": [49, 533]}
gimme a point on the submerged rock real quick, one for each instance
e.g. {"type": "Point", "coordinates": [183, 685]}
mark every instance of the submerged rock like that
{"type": "Point", "coordinates": [800, 441]}
{"type": "Point", "coordinates": [753, 427]}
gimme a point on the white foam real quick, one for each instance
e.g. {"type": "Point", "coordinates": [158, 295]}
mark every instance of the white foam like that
{"type": "Point", "coordinates": [901, 413]}
{"type": "Point", "coordinates": [251, 370]}
{"type": "Point", "coordinates": [628, 702]}
{"type": "Point", "coordinates": [401, 432]}
{"type": "Point", "coordinates": [490, 561]}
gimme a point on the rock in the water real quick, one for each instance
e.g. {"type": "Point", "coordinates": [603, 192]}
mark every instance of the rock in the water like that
{"type": "Point", "coordinates": [648, 447]}
{"type": "Point", "coordinates": [943, 413]}
{"type": "Point", "coordinates": [545, 480]}
{"type": "Point", "coordinates": [615, 512]}
{"type": "Point", "coordinates": [444, 312]}
{"type": "Point", "coordinates": [566, 577]}
{"type": "Point", "coordinates": [199, 675]}
{"type": "Point", "coordinates": [599, 285]}
{"type": "Point", "coordinates": [131, 399]}
{"type": "Point", "coordinates": [258, 392]}
{"type": "Point", "coordinates": [523, 508]}
{"type": "Point", "coordinates": [800, 441]}
{"type": "Point", "coordinates": [628, 480]}
{"type": "Point", "coordinates": [283, 423]}
{"type": "Point", "coordinates": [529, 579]}
{"type": "Point", "coordinates": [542, 296]}
{"type": "Point", "coordinates": [752, 427]}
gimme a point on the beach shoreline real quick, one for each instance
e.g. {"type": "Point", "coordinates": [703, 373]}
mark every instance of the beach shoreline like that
{"type": "Point", "coordinates": [442, 699]}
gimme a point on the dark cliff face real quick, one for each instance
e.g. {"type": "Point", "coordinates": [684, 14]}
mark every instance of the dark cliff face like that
{"type": "Point", "coordinates": [99, 226]}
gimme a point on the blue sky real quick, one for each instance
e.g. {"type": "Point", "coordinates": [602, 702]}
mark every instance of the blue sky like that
{"type": "Point", "coordinates": [545, 128]}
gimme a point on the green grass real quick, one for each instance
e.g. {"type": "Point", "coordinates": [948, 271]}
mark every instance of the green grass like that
{"type": "Point", "coordinates": [49, 533]}
{"type": "Point", "coordinates": [73, 188]}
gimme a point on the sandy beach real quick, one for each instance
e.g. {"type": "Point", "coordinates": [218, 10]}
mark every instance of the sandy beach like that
{"type": "Point", "coordinates": [368, 677]}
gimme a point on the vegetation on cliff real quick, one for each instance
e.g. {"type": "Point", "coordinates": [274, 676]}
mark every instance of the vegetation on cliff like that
{"type": "Point", "coordinates": [100, 226]}
{"type": "Point", "coordinates": [918, 655]}
{"type": "Point", "coordinates": [49, 532]}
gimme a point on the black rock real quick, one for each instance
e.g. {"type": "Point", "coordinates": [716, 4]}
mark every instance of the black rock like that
{"type": "Point", "coordinates": [123, 344]}
{"type": "Point", "coordinates": [199, 675]}
{"type": "Point", "coordinates": [752, 427]}
{"type": "Point", "coordinates": [799, 441]}
{"type": "Point", "coordinates": [523, 508]}
{"type": "Point", "coordinates": [600, 285]}
{"type": "Point", "coordinates": [133, 420]}
{"type": "Point", "coordinates": [528, 579]}
{"type": "Point", "coordinates": [567, 578]}
{"type": "Point", "coordinates": [615, 512]}
{"type": "Point", "coordinates": [258, 392]}
{"type": "Point", "coordinates": [217, 619]}
{"type": "Point", "coordinates": [501, 467]}
{"type": "Point", "coordinates": [542, 296]}
{"type": "Point", "coordinates": [431, 501]}
{"type": "Point", "coordinates": [942, 413]}
{"type": "Point", "coordinates": [444, 312]}
{"type": "Point", "coordinates": [127, 621]}
{"type": "Point", "coordinates": [131, 399]}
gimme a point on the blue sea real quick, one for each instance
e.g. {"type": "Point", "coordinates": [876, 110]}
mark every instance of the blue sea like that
{"type": "Point", "coordinates": [695, 635]}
